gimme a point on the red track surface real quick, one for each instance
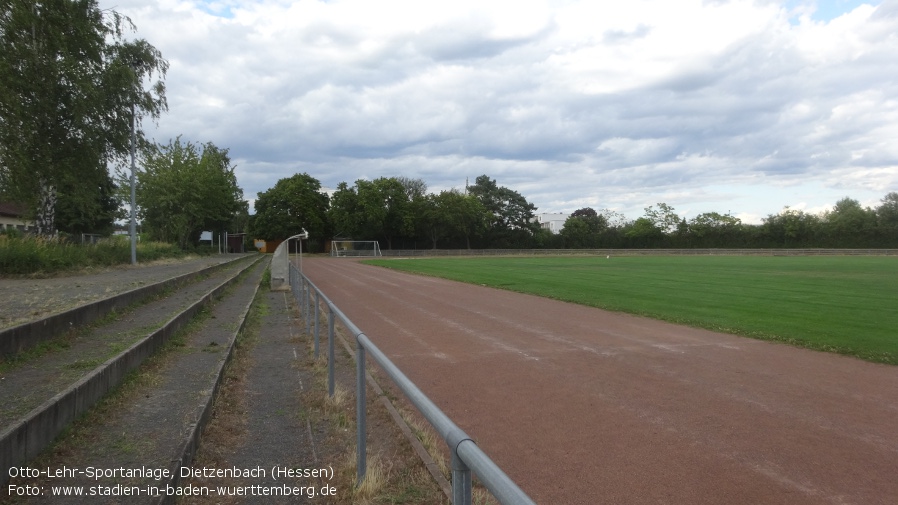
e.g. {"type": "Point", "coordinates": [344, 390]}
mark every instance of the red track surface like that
{"type": "Point", "coordinates": [580, 405]}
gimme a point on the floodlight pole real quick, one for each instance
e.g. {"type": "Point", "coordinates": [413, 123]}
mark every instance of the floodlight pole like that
{"type": "Point", "coordinates": [133, 193]}
{"type": "Point", "coordinates": [299, 236]}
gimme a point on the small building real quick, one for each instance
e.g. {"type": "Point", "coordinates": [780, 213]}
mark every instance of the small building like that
{"type": "Point", "coordinates": [12, 216]}
{"type": "Point", "coordinates": [235, 242]}
{"type": "Point", "coordinates": [552, 222]}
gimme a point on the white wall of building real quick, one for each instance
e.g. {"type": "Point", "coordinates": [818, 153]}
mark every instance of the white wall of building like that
{"type": "Point", "coordinates": [551, 222]}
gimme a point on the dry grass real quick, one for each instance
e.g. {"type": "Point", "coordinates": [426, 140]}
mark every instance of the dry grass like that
{"type": "Point", "coordinates": [394, 474]}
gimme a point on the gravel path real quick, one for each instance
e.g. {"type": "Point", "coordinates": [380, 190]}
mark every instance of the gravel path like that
{"type": "Point", "coordinates": [23, 300]}
{"type": "Point", "coordinates": [580, 405]}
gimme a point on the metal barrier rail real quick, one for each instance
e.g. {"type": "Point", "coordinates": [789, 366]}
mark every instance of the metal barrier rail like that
{"type": "Point", "coordinates": [466, 456]}
{"type": "Point", "coordinates": [641, 252]}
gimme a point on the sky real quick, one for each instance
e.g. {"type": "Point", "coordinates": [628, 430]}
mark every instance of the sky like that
{"type": "Point", "coordinates": [730, 106]}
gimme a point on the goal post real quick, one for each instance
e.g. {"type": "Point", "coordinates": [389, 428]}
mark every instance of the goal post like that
{"type": "Point", "coordinates": [355, 248]}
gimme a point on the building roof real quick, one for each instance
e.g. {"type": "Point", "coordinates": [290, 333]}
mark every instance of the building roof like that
{"type": "Point", "coordinates": [11, 209]}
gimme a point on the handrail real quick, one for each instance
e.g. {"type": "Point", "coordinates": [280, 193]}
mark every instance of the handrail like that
{"type": "Point", "coordinates": [466, 455]}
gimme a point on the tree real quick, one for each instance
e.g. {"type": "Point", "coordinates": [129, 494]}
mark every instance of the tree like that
{"type": "Point", "coordinates": [185, 189]}
{"type": "Point", "coordinates": [345, 213]}
{"type": "Point", "coordinates": [416, 208]}
{"type": "Point", "coordinates": [644, 232]}
{"type": "Point", "coordinates": [848, 224]}
{"type": "Point", "coordinates": [887, 220]}
{"type": "Point", "coordinates": [583, 228]}
{"type": "Point", "coordinates": [293, 204]}
{"type": "Point", "coordinates": [712, 229]}
{"type": "Point", "coordinates": [664, 218]}
{"type": "Point", "coordinates": [584, 212]}
{"type": "Point", "coordinates": [86, 206]}
{"type": "Point", "coordinates": [68, 82]}
{"type": "Point", "coordinates": [384, 207]}
{"type": "Point", "coordinates": [453, 215]}
{"type": "Point", "coordinates": [378, 209]}
{"type": "Point", "coordinates": [512, 223]}
{"type": "Point", "coordinates": [792, 228]}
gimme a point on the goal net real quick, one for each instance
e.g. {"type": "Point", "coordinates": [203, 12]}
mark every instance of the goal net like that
{"type": "Point", "coordinates": [355, 248]}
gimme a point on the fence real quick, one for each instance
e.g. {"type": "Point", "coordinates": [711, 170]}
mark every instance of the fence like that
{"type": "Point", "coordinates": [639, 252]}
{"type": "Point", "coordinates": [465, 455]}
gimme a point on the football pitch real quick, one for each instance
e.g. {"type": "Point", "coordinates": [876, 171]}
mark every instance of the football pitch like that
{"type": "Point", "coordinates": [844, 304]}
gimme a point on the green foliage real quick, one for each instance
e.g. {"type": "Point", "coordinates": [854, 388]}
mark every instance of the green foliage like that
{"type": "Point", "coordinates": [345, 213]}
{"type": "Point", "coordinates": [842, 304]}
{"type": "Point", "coordinates": [792, 228]}
{"type": "Point", "coordinates": [664, 218]}
{"type": "Point", "coordinates": [398, 212]}
{"type": "Point", "coordinates": [848, 223]}
{"type": "Point", "coordinates": [584, 229]}
{"type": "Point", "coordinates": [31, 255]}
{"type": "Point", "coordinates": [68, 81]}
{"type": "Point", "coordinates": [644, 233]}
{"type": "Point", "coordinates": [184, 189]}
{"type": "Point", "coordinates": [511, 223]}
{"type": "Point", "coordinates": [382, 209]}
{"type": "Point", "coordinates": [453, 216]}
{"type": "Point", "coordinates": [293, 204]}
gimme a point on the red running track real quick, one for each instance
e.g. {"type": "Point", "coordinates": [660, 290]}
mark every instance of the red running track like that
{"type": "Point", "coordinates": [583, 406]}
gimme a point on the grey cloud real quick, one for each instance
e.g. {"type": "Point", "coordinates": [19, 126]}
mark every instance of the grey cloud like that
{"type": "Point", "coordinates": [622, 36]}
{"type": "Point", "coordinates": [452, 101]}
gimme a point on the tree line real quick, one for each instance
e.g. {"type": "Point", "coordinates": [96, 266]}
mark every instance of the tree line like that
{"type": "Point", "coordinates": [400, 214]}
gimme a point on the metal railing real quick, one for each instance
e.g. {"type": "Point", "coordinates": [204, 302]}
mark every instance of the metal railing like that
{"type": "Point", "coordinates": [465, 455]}
{"type": "Point", "coordinates": [641, 252]}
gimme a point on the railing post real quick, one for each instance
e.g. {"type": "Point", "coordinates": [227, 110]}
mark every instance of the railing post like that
{"type": "Point", "coordinates": [317, 317]}
{"type": "Point", "coordinates": [461, 481]}
{"type": "Point", "coordinates": [330, 351]}
{"type": "Point", "coordinates": [302, 296]}
{"type": "Point", "coordinates": [361, 428]}
{"type": "Point", "coordinates": [467, 458]}
{"type": "Point", "coordinates": [307, 300]}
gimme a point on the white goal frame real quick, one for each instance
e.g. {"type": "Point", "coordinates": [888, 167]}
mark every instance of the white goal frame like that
{"type": "Point", "coordinates": [355, 248]}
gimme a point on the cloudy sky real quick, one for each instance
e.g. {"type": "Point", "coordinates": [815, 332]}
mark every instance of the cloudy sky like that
{"type": "Point", "coordinates": [715, 105]}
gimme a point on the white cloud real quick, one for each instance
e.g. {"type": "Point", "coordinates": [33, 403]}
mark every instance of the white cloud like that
{"type": "Point", "coordinates": [742, 106]}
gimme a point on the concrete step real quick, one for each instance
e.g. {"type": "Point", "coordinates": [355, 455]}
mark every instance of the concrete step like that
{"type": "Point", "coordinates": [41, 394]}
{"type": "Point", "coordinates": [38, 310]}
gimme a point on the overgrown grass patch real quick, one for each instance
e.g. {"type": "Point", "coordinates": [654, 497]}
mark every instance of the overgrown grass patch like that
{"type": "Point", "coordinates": [34, 255]}
{"type": "Point", "coordinates": [843, 304]}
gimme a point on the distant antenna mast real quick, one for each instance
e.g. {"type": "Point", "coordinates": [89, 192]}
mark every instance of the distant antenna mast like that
{"type": "Point", "coordinates": [466, 186]}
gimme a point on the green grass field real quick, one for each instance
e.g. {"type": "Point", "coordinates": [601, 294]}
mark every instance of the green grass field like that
{"type": "Point", "coordinates": [841, 304]}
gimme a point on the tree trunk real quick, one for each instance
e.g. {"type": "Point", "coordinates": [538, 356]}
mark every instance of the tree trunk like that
{"type": "Point", "coordinates": [45, 219]}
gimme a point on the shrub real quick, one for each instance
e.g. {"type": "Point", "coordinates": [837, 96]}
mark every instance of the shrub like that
{"type": "Point", "coordinates": [36, 255]}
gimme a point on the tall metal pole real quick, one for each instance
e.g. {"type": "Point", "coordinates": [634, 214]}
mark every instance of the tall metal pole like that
{"type": "Point", "coordinates": [133, 194]}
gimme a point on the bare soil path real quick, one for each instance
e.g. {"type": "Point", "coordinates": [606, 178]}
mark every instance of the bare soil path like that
{"type": "Point", "coordinates": [583, 406]}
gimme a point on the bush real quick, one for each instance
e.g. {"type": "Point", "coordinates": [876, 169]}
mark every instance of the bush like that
{"type": "Point", "coordinates": [35, 255]}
